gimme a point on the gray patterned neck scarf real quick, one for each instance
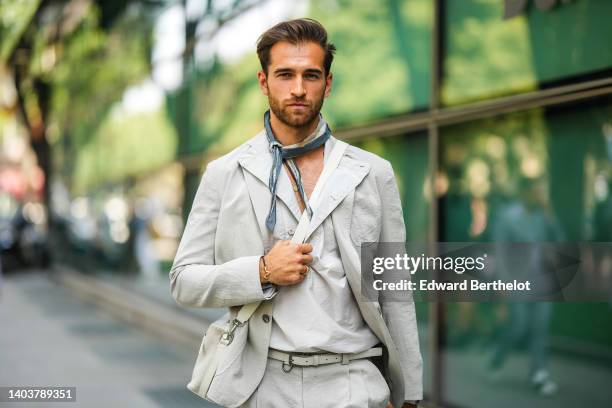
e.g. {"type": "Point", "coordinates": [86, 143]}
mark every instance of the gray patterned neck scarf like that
{"type": "Point", "coordinates": [282, 153]}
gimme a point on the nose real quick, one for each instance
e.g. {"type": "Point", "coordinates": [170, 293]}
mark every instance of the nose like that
{"type": "Point", "coordinates": [298, 90]}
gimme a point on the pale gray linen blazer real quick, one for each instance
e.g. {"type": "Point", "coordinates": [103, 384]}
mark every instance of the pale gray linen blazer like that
{"type": "Point", "coordinates": [217, 261]}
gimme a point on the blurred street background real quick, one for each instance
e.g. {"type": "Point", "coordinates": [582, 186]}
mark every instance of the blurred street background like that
{"type": "Point", "coordinates": [496, 116]}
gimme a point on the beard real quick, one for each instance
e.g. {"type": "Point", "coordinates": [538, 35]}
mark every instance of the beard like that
{"type": "Point", "coordinates": [292, 118]}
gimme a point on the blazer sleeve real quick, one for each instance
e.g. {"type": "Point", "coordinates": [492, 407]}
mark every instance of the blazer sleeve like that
{"type": "Point", "coordinates": [195, 278]}
{"type": "Point", "coordinates": [399, 314]}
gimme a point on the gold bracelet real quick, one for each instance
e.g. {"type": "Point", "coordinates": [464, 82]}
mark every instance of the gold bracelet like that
{"type": "Point", "coordinates": [266, 274]}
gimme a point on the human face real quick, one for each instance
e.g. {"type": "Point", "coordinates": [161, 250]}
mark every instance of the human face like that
{"type": "Point", "coordinates": [296, 83]}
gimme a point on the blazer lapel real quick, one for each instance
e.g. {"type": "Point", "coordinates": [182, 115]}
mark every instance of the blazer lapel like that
{"type": "Point", "coordinates": [342, 181]}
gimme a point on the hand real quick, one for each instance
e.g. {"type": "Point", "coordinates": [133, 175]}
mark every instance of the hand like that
{"type": "Point", "coordinates": [287, 263]}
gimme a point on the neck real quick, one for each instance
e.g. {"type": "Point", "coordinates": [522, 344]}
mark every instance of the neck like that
{"type": "Point", "coordinates": [289, 135]}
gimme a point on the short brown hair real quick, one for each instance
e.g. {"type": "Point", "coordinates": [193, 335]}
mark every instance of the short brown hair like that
{"type": "Point", "coordinates": [295, 32]}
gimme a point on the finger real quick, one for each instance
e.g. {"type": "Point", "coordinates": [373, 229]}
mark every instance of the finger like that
{"type": "Point", "coordinates": [307, 259]}
{"type": "Point", "coordinates": [300, 268]}
{"type": "Point", "coordinates": [306, 248]}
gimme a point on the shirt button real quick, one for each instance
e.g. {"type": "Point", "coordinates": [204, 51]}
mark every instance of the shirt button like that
{"type": "Point", "coordinates": [266, 318]}
{"type": "Point", "coordinates": [290, 231]}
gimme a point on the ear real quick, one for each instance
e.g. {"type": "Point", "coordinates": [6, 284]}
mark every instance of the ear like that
{"type": "Point", "coordinates": [263, 82]}
{"type": "Point", "coordinates": [328, 84]}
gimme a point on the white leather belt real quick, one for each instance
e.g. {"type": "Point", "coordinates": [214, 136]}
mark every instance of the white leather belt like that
{"type": "Point", "coordinates": [308, 360]}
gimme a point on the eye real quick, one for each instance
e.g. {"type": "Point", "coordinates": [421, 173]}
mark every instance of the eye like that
{"type": "Point", "coordinates": [284, 75]}
{"type": "Point", "coordinates": [311, 76]}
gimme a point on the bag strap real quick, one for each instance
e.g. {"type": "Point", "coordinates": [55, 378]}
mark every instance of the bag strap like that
{"type": "Point", "coordinates": [332, 162]}
{"type": "Point", "coordinates": [246, 311]}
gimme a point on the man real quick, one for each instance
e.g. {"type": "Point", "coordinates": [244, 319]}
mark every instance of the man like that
{"type": "Point", "coordinates": [248, 205]}
{"type": "Point", "coordinates": [528, 219]}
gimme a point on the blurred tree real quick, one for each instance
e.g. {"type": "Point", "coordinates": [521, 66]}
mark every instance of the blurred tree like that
{"type": "Point", "coordinates": [71, 60]}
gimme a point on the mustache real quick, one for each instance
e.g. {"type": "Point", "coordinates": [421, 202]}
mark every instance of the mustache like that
{"type": "Point", "coordinates": [300, 101]}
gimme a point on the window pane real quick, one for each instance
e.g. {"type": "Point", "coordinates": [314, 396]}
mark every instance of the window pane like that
{"type": "Point", "coordinates": [487, 55]}
{"type": "Point", "coordinates": [533, 169]}
{"type": "Point", "coordinates": [382, 66]}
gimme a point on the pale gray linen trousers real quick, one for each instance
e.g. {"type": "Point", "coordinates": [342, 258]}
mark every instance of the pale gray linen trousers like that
{"type": "Point", "coordinates": [358, 384]}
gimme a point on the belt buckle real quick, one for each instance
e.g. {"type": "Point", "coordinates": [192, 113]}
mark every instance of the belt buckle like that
{"type": "Point", "coordinates": [289, 364]}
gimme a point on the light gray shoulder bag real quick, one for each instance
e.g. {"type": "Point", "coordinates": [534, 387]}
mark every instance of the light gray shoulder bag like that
{"type": "Point", "coordinates": [223, 332]}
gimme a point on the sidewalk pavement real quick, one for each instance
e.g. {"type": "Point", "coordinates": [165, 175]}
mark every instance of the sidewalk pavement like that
{"type": "Point", "coordinates": [141, 301]}
{"type": "Point", "coordinates": [50, 337]}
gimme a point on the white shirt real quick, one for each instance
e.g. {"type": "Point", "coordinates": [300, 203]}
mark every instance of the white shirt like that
{"type": "Point", "coordinates": [320, 313]}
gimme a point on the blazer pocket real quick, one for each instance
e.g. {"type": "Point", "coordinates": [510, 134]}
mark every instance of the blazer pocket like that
{"type": "Point", "coordinates": [366, 218]}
